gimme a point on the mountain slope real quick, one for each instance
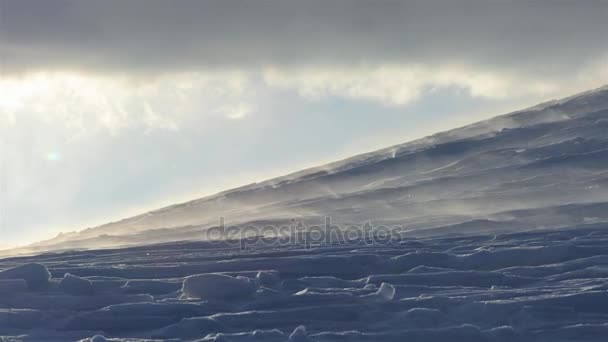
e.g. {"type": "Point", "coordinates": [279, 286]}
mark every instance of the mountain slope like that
{"type": "Point", "coordinates": [478, 177]}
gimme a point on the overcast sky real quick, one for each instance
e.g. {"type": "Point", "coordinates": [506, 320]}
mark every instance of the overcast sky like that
{"type": "Point", "coordinates": [113, 107]}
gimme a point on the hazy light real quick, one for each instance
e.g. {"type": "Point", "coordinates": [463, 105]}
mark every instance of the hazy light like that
{"type": "Point", "coordinates": [53, 156]}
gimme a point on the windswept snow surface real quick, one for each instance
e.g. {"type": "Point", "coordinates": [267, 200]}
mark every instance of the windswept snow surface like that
{"type": "Point", "coordinates": [526, 286]}
{"type": "Point", "coordinates": [541, 167]}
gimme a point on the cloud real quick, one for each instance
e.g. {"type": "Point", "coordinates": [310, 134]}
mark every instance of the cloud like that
{"type": "Point", "coordinates": [383, 51]}
{"type": "Point", "coordinates": [87, 103]}
{"type": "Point", "coordinates": [236, 111]}
{"type": "Point", "coordinates": [399, 85]}
{"type": "Point", "coordinates": [540, 37]}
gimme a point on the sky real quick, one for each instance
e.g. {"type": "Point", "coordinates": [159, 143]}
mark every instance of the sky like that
{"type": "Point", "coordinates": [112, 108]}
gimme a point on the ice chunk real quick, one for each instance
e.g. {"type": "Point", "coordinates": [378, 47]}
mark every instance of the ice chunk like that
{"type": "Point", "coordinates": [37, 276]}
{"type": "Point", "coordinates": [98, 338]}
{"type": "Point", "coordinates": [218, 286]}
{"type": "Point", "coordinates": [76, 286]}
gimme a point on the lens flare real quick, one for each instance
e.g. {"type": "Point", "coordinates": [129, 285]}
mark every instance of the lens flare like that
{"type": "Point", "coordinates": [53, 156]}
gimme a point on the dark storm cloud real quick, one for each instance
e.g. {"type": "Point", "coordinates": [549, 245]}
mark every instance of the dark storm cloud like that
{"type": "Point", "coordinates": [542, 36]}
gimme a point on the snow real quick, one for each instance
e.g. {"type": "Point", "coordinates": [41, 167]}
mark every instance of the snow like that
{"type": "Point", "coordinates": [76, 286]}
{"type": "Point", "coordinates": [386, 292]}
{"type": "Point", "coordinates": [9, 286]}
{"type": "Point", "coordinates": [467, 288]}
{"type": "Point", "coordinates": [218, 287]}
{"type": "Point", "coordinates": [36, 275]}
{"type": "Point", "coordinates": [299, 335]}
{"type": "Point", "coordinates": [268, 278]}
{"type": "Point", "coordinates": [98, 338]}
{"type": "Point", "coordinates": [189, 328]}
{"type": "Point", "coordinates": [152, 287]}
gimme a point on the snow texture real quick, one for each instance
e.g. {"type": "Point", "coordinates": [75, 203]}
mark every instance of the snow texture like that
{"type": "Point", "coordinates": [218, 287]}
{"type": "Point", "coordinates": [76, 286]}
{"type": "Point", "coordinates": [541, 285]}
{"type": "Point", "coordinates": [35, 275]}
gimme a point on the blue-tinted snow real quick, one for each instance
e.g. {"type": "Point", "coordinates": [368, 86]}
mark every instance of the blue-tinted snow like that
{"type": "Point", "coordinates": [525, 286]}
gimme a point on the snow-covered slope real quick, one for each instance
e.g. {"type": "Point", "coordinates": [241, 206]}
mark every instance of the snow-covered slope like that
{"type": "Point", "coordinates": [551, 155]}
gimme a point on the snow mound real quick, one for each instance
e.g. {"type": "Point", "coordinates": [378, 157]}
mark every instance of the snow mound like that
{"type": "Point", "coordinates": [385, 293]}
{"type": "Point", "coordinates": [76, 286]}
{"type": "Point", "coordinates": [213, 286]}
{"type": "Point", "coordinates": [37, 276]}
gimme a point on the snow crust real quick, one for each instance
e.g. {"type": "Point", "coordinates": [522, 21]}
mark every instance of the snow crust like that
{"type": "Point", "coordinates": [524, 286]}
{"type": "Point", "coordinates": [35, 275]}
{"type": "Point", "coordinates": [218, 286]}
{"type": "Point", "coordinates": [77, 286]}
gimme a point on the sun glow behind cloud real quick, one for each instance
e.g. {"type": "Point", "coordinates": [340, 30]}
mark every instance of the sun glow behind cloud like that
{"type": "Point", "coordinates": [90, 101]}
